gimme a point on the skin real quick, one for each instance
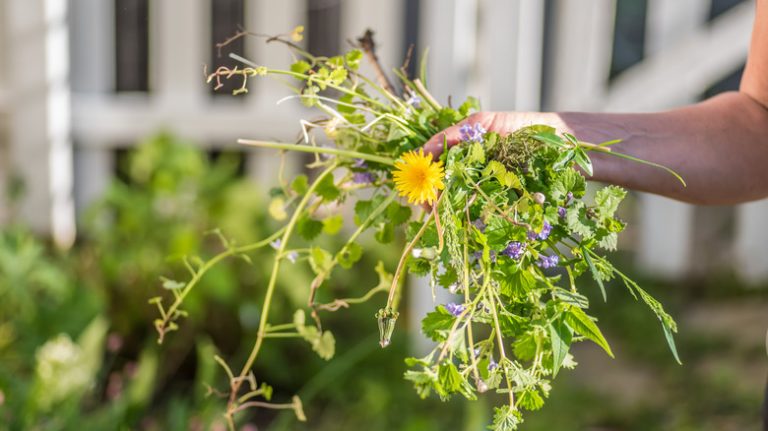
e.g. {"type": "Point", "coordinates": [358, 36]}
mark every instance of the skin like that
{"type": "Point", "coordinates": [719, 146]}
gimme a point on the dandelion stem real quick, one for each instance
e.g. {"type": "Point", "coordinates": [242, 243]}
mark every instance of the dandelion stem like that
{"type": "Point", "coordinates": [312, 149]}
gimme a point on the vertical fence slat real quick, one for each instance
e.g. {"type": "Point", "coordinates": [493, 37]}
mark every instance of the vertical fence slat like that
{"type": "Point", "coordinates": [178, 52]}
{"type": "Point", "coordinates": [666, 226]}
{"type": "Point", "coordinates": [751, 245]}
{"type": "Point", "coordinates": [583, 34]}
{"type": "Point", "coordinates": [41, 150]}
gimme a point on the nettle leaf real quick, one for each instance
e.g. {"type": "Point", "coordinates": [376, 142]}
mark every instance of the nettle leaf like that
{"type": "Point", "coordinates": [499, 232]}
{"type": "Point", "coordinates": [308, 228]}
{"type": "Point", "coordinates": [514, 282]}
{"type": "Point", "coordinates": [333, 224]}
{"type": "Point", "coordinates": [327, 190]}
{"type": "Point", "coordinates": [505, 418]}
{"type": "Point", "coordinates": [607, 200]}
{"type": "Point", "coordinates": [447, 278]}
{"type": "Point", "coordinates": [423, 381]}
{"type": "Point", "coordinates": [530, 399]}
{"type": "Point", "coordinates": [320, 260]}
{"type": "Point", "coordinates": [419, 267]}
{"type": "Point", "coordinates": [525, 347]}
{"type": "Point", "coordinates": [349, 255]}
{"type": "Point", "coordinates": [578, 222]}
{"type": "Point", "coordinates": [607, 240]}
{"type": "Point", "coordinates": [452, 381]}
{"type": "Point", "coordinates": [583, 325]}
{"type": "Point", "coordinates": [437, 324]}
{"type": "Point", "coordinates": [560, 338]}
{"type": "Point", "coordinates": [569, 180]}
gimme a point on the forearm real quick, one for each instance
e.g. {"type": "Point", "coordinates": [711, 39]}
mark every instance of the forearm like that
{"type": "Point", "coordinates": [720, 148]}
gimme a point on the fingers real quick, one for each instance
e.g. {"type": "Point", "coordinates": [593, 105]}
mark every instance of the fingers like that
{"type": "Point", "coordinates": [450, 136]}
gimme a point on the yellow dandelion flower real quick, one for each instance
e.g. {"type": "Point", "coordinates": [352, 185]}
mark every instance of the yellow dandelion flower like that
{"type": "Point", "coordinates": [418, 178]}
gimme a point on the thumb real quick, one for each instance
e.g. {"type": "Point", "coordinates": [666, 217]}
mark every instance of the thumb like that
{"type": "Point", "coordinates": [448, 138]}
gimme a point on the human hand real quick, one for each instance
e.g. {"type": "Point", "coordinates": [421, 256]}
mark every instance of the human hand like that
{"type": "Point", "coordinates": [502, 123]}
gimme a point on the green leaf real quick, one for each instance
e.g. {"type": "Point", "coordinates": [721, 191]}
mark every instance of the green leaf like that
{"type": "Point", "coordinates": [277, 208]}
{"type": "Point", "coordinates": [385, 233]}
{"type": "Point", "coordinates": [505, 418]}
{"type": "Point", "coordinates": [349, 255]}
{"type": "Point", "coordinates": [398, 214]}
{"type": "Point", "coordinates": [436, 324]}
{"type": "Point", "coordinates": [513, 282]}
{"type": "Point", "coordinates": [564, 160]}
{"type": "Point", "coordinates": [583, 161]}
{"type": "Point", "coordinates": [320, 260]}
{"type": "Point", "coordinates": [578, 222]}
{"type": "Point", "coordinates": [596, 275]}
{"type": "Point", "coordinates": [338, 76]}
{"type": "Point", "coordinates": [560, 337]}
{"type": "Point", "coordinates": [472, 104]}
{"type": "Point", "coordinates": [325, 345]}
{"type": "Point", "coordinates": [333, 224]}
{"type": "Point", "coordinates": [300, 66]}
{"type": "Point", "coordinates": [476, 154]}
{"type": "Point", "coordinates": [300, 184]}
{"type": "Point", "coordinates": [530, 399]}
{"type": "Point", "coordinates": [671, 342]}
{"type": "Point", "coordinates": [353, 58]}
{"type": "Point", "coordinates": [550, 138]}
{"type": "Point", "coordinates": [308, 228]}
{"type": "Point", "coordinates": [607, 200]}
{"type": "Point", "coordinates": [449, 377]}
{"type": "Point", "coordinates": [423, 381]}
{"type": "Point", "coordinates": [327, 190]}
{"type": "Point", "coordinates": [583, 325]}
{"type": "Point", "coordinates": [569, 180]}
{"type": "Point", "coordinates": [171, 284]}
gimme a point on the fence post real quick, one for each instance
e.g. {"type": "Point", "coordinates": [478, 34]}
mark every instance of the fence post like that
{"type": "Point", "coordinates": [41, 149]}
{"type": "Point", "coordinates": [751, 245]}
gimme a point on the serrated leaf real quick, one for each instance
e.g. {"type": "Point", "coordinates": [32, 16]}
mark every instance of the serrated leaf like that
{"type": "Point", "coordinates": [300, 66]}
{"type": "Point", "coordinates": [607, 200]}
{"type": "Point", "coordinates": [436, 324]}
{"type": "Point", "coordinates": [583, 325]}
{"type": "Point", "coordinates": [398, 214]}
{"type": "Point", "coordinates": [569, 180]}
{"type": "Point", "coordinates": [530, 399]}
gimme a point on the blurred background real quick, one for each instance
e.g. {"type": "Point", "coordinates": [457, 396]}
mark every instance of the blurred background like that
{"type": "Point", "coordinates": [115, 158]}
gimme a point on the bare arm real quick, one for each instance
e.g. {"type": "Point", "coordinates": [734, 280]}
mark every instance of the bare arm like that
{"type": "Point", "coordinates": [719, 146]}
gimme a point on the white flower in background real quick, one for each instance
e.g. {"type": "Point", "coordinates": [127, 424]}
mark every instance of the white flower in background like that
{"type": "Point", "coordinates": [61, 370]}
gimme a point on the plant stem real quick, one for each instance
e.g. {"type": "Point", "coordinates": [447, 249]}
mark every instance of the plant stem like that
{"type": "Point", "coordinates": [323, 150]}
{"type": "Point", "coordinates": [271, 289]}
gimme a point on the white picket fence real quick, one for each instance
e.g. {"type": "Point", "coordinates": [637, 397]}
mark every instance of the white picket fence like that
{"type": "Point", "coordinates": [62, 142]}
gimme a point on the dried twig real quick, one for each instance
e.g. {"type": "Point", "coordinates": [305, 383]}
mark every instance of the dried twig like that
{"type": "Point", "coordinates": [366, 43]}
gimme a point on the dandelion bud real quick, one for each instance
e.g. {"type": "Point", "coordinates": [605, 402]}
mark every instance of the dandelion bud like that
{"type": "Point", "coordinates": [539, 198]}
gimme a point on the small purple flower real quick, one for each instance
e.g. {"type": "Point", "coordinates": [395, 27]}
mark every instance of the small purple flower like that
{"type": "Point", "coordinates": [292, 256]}
{"type": "Point", "coordinates": [545, 231]}
{"type": "Point", "coordinates": [492, 365]}
{"type": "Point", "coordinates": [455, 309]}
{"type": "Point", "coordinates": [359, 164]}
{"type": "Point", "coordinates": [363, 178]}
{"type": "Point", "coordinates": [414, 101]}
{"type": "Point", "coordinates": [477, 352]}
{"type": "Point", "coordinates": [568, 197]}
{"type": "Point", "coordinates": [561, 212]}
{"type": "Point", "coordinates": [531, 235]}
{"type": "Point", "coordinates": [479, 224]}
{"type": "Point", "coordinates": [514, 250]}
{"type": "Point", "coordinates": [276, 243]}
{"type": "Point", "coordinates": [548, 261]}
{"type": "Point", "coordinates": [470, 133]}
